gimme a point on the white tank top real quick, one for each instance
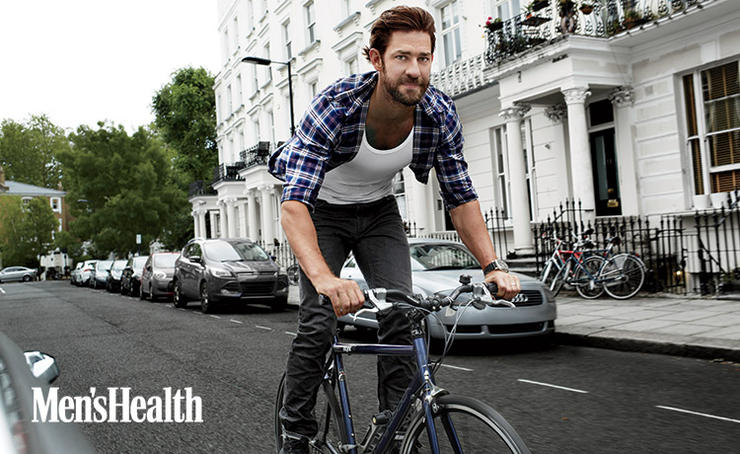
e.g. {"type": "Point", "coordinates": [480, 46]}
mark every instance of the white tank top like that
{"type": "Point", "coordinates": [368, 176]}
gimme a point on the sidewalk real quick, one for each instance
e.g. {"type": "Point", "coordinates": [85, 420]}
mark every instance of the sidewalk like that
{"type": "Point", "coordinates": [687, 326]}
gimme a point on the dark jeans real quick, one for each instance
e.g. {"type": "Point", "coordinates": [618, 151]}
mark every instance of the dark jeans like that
{"type": "Point", "coordinates": [374, 233]}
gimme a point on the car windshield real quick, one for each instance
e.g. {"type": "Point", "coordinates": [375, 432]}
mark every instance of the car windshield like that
{"type": "Point", "coordinates": [103, 265]}
{"type": "Point", "coordinates": [139, 262]}
{"type": "Point", "coordinates": [429, 257]}
{"type": "Point", "coordinates": [165, 260]}
{"type": "Point", "coordinates": [119, 265]}
{"type": "Point", "coordinates": [234, 252]}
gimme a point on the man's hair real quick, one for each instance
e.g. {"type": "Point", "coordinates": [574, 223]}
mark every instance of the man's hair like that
{"type": "Point", "coordinates": [400, 18]}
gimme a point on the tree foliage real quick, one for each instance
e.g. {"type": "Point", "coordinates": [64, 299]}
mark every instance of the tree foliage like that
{"type": "Point", "coordinates": [25, 230]}
{"type": "Point", "coordinates": [28, 151]}
{"type": "Point", "coordinates": [120, 186]}
{"type": "Point", "coordinates": [185, 116]}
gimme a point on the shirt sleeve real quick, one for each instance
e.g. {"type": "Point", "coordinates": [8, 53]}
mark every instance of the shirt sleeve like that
{"type": "Point", "coordinates": [301, 161]}
{"type": "Point", "coordinates": [451, 169]}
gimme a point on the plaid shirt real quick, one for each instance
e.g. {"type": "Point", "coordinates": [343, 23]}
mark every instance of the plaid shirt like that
{"type": "Point", "coordinates": [331, 131]}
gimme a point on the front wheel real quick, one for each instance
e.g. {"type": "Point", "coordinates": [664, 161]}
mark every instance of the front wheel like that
{"type": "Point", "coordinates": [587, 277]}
{"type": "Point", "coordinates": [463, 424]}
{"type": "Point", "coordinates": [559, 280]}
{"type": "Point", "coordinates": [206, 303]}
{"type": "Point", "coordinates": [179, 299]}
{"type": "Point", "coordinates": [26, 278]}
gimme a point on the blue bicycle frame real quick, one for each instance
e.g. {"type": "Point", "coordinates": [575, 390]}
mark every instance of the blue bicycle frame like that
{"type": "Point", "coordinates": [423, 378]}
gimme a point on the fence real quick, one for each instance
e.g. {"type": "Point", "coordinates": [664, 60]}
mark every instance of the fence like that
{"type": "Point", "coordinates": [717, 234]}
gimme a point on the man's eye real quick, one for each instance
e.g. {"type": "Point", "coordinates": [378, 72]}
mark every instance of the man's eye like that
{"type": "Point", "coordinates": [400, 57]}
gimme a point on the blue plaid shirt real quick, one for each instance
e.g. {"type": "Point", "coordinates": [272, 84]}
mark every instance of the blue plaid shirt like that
{"type": "Point", "coordinates": [331, 131]}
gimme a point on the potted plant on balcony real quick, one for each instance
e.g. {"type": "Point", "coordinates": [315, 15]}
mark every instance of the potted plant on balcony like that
{"type": "Point", "coordinates": [587, 8]}
{"type": "Point", "coordinates": [537, 5]}
{"type": "Point", "coordinates": [632, 18]}
{"type": "Point", "coordinates": [494, 24]}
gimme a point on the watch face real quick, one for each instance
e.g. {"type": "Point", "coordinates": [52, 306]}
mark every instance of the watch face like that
{"type": "Point", "coordinates": [501, 265]}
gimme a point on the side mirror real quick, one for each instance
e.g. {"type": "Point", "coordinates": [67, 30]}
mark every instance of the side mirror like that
{"type": "Point", "coordinates": [196, 259]}
{"type": "Point", "coordinates": [42, 366]}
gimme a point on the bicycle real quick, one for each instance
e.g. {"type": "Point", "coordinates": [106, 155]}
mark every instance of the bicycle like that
{"type": "Point", "coordinates": [623, 274]}
{"type": "Point", "coordinates": [427, 419]}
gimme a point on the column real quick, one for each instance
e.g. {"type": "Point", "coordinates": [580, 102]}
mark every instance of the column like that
{"type": "Point", "coordinates": [231, 220]}
{"type": "Point", "coordinates": [557, 114]}
{"type": "Point", "coordinates": [268, 214]}
{"type": "Point", "coordinates": [621, 98]}
{"type": "Point", "coordinates": [202, 223]}
{"type": "Point", "coordinates": [580, 153]}
{"type": "Point", "coordinates": [523, 243]}
{"type": "Point", "coordinates": [252, 215]}
{"type": "Point", "coordinates": [242, 214]}
{"type": "Point", "coordinates": [196, 226]}
{"type": "Point", "coordinates": [214, 229]}
{"type": "Point", "coordinates": [224, 232]}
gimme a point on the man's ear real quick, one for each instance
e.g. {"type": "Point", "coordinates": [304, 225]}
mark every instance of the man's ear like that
{"type": "Point", "coordinates": [376, 59]}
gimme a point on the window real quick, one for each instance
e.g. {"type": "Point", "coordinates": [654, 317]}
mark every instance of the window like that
{"type": "Point", "coordinates": [60, 224]}
{"type": "Point", "coordinates": [271, 120]}
{"type": "Point", "coordinates": [713, 127]}
{"type": "Point", "coordinates": [348, 7]}
{"type": "Point", "coordinates": [219, 108]}
{"type": "Point", "coordinates": [226, 44]}
{"type": "Point", "coordinates": [55, 205]}
{"type": "Point", "coordinates": [352, 66]}
{"type": "Point", "coordinates": [501, 166]}
{"type": "Point", "coordinates": [310, 22]}
{"type": "Point", "coordinates": [286, 41]}
{"type": "Point", "coordinates": [451, 32]}
{"type": "Point", "coordinates": [313, 88]}
{"type": "Point", "coordinates": [236, 33]}
{"type": "Point", "coordinates": [505, 9]}
{"type": "Point", "coordinates": [230, 100]}
{"type": "Point", "coordinates": [268, 68]}
{"type": "Point", "coordinates": [239, 99]}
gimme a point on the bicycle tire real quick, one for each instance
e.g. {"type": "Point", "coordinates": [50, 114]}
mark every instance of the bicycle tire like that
{"type": "Point", "coordinates": [484, 429]}
{"type": "Point", "coordinates": [629, 276]}
{"type": "Point", "coordinates": [590, 289]}
{"type": "Point", "coordinates": [549, 272]}
{"type": "Point", "coordinates": [559, 280]}
{"type": "Point", "coordinates": [330, 429]}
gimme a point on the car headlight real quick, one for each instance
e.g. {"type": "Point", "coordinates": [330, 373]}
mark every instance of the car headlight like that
{"type": "Point", "coordinates": [220, 272]}
{"type": "Point", "coordinates": [160, 275]}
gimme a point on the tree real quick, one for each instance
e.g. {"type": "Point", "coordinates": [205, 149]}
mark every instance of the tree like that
{"type": "Point", "coordinates": [25, 230]}
{"type": "Point", "coordinates": [28, 151]}
{"type": "Point", "coordinates": [185, 116]}
{"type": "Point", "coordinates": [119, 186]}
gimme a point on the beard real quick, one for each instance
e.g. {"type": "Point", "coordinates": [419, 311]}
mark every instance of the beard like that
{"type": "Point", "coordinates": [410, 100]}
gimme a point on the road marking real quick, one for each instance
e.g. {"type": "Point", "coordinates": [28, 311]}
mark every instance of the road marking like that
{"type": "Point", "coordinates": [552, 386]}
{"type": "Point", "coordinates": [214, 316]}
{"type": "Point", "coordinates": [266, 328]}
{"type": "Point", "coordinates": [236, 321]}
{"type": "Point", "coordinates": [290, 333]}
{"type": "Point", "coordinates": [457, 367]}
{"type": "Point", "coordinates": [2, 291]}
{"type": "Point", "coordinates": [698, 414]}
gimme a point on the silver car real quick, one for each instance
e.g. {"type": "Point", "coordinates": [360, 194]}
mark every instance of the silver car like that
{"type": "Point", "coordinates": [17, 274]}
{"type": "Point", "coordinates": [436, 266]}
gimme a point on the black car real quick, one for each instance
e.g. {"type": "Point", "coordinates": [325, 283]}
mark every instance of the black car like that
{"type": "Point", "coordinates": [113, 284]}
{"type": "Point", "coordinates": [156, 278]}
{"type": "Point", "coordinates": [131, 276]}
{"type": "Point", "coordinates": [228, 270]}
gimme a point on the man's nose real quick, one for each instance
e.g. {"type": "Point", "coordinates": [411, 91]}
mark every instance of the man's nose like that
{"type": "Point", "coordinates": [412, 70]}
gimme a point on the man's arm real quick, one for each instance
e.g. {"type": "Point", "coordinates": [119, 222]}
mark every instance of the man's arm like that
{"type": "Point", "coordinates": [471, 227]}
{"type": "Point", "coordinates": [345, 294]}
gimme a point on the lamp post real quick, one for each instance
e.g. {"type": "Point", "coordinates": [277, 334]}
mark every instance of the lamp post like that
{"type": "Point", "coordinates": [267, 62]}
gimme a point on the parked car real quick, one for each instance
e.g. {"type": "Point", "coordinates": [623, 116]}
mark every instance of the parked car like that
{"type": "Point", "coordinates": [156, 278]}
{"type": "Point", "coordinates": [218, 270]}
{"type": "Point", "coordinates": [113, 284]}
{"type": "Point", "coordinates": [131, 276]}
{"type": "Point", "coordinates": [19, 373]}
{"type": "Point", "coordinates": [74, 276]}
{"type": "Point", "coordinates": [436, 266]}
{"type": "Point", "coordinates": [86, 273]}
{"type": "Point", "coordinates": [17, 274]}
{"type": "Point", "coordinates": [99, 274]}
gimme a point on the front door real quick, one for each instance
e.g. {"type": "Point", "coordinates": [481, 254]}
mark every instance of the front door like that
{"type": "Point", "coordinates": [606, 180]}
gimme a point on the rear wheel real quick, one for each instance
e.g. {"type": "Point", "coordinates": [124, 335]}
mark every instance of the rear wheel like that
{"type": "Point", "coordinates": [586, 285]}
{"type": "Point", "coordinates": [623, 276]}
{"type": "Point", "coordinates": [179, 299]}
{"type": "Point", "coordinates": [463, 425]}
{"type": "Point", "coordinates": [142, 294]}
{"type": "Point", "coordinates": [559, 280]}
{"type": "Point", "coordinates": [26, 278]}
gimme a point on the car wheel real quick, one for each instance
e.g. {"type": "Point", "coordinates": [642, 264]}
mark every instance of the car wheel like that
{"type": "Point", "coordinates": [26, 278]}
{"type": "Point", "coordinates": [142, 295]}
{"type": "Point", "coordinates": [206, 304]}
{"type": "Point", "coordinates": [179, 299]}
{"type": "Point", "coordinates": [280, 303]}
{"type": "Point", "coordinates": [124, 291]}
{"type": "Point", "coordinates": [151, 294]}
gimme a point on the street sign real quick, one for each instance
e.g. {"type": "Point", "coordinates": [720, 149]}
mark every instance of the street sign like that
{"type": "Point", "coordinates": [138, 238]}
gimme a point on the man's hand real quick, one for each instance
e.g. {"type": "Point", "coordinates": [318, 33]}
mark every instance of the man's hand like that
{"type": "Point", "coordinates": [345, 294]}
{"type": "Point", "coordinates": [508, 284]}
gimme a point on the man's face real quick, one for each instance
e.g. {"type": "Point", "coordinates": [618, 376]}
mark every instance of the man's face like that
{"type": "Point", "coordinates": [405, 67]}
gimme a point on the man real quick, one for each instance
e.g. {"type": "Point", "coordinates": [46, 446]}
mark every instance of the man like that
{"type": "Point", "coordinates": [338, 169]}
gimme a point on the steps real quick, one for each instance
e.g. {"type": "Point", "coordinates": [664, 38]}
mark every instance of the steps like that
{"type": "Point", "coordinates": [523, 263]}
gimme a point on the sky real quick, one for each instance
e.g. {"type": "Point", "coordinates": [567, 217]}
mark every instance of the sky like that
{"type": "Point", "coordinates": [83, 61]}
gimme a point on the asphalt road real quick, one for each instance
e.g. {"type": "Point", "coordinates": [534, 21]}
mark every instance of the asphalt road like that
{"type": "Point", "coordinates": [559, 398]}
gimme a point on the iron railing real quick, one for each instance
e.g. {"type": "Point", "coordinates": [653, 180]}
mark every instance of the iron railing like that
{"type": "Point", "coordinates": [256, 155]}
{"type": "Point", "coordinates": [228, 172]}
{"type": "Point", "coordinates": [200, 187]}
{"type": "Point", "coordinates": [549, 20]}
{"type": "Point", "coordinates": [716, 248]}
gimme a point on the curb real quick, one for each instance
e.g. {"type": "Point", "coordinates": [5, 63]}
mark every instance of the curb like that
{"type": "Point", "coordinates": [647, 346]}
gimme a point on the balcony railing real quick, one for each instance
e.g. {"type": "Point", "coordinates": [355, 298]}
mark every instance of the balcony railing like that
{"type": "Point", "coordinates": [200, 187]}
{"type": "Point", "coordinates": [550, 20]}
{"type": "Point", "coordinates": [463, 77]}
{"type": "Point", "coordinates": [229, 172]}
{"type": "Point", "coordinates": [257, 155]}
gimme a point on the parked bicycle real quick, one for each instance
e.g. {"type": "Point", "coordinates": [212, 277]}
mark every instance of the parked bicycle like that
{"type": "Point", "coordinates": [427, 419]}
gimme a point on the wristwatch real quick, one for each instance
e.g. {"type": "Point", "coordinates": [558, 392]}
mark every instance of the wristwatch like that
{"type": "Point", "coordinates": [496, 265]}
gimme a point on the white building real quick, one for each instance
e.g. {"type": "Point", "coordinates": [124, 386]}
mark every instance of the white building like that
{"type": "Point", "coordinates": [631, 118]}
